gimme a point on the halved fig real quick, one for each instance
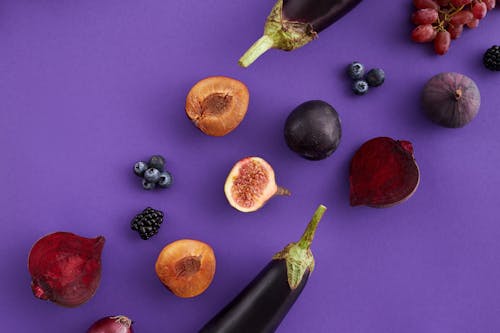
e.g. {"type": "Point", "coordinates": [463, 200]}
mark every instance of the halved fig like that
{"type": "Point", "coordinates": [383, 173]}
{"type": "Point", "coordinates": [217, 104]}
{"type": "Point", "coordinates": [250, 184]}
{"type": "Point", "coordinates": [186, 267]}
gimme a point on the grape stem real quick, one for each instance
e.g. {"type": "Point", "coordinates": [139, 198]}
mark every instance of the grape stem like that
{"type": "Point", "coordinates": [445, 16]}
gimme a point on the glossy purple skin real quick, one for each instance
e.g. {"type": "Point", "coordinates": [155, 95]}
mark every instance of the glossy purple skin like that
{"type": "Point", "coordinates": [319, 13]}
{"type": "Point", "coordinates": [451, 99]}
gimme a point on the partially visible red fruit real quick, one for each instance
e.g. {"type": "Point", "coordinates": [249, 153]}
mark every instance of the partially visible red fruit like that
{"type": "Point", "coordinates": [113, 324]}
{"type": "Point", "coordinates": [459, 3]}
{"type": "Point", "coordinates": [423, 33]}
{"type": "Point", "coordinates": [421, 4]}
{"type": "Point", "coordinates": [65, 268]}
{"type": "Point", "coordinates": [383, 173]}
{"type": "Point", "coordinates": [473, 24]}
{"type": "Point", "coordinates": [455, 31]}
{"type": "Point", "coordinates": [442, 42]}
{"type": "Point", "coordinates": [425, 16]}
{"type": "Point", "coordinates": [490, 4]}
{"type": "Point", "coordinates": [463, 17]}
{"type": "Point", "coordinates": [479, 10]}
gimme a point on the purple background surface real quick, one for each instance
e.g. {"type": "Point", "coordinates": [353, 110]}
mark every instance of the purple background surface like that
{"type": "Point", "coordinates": [89, 87]}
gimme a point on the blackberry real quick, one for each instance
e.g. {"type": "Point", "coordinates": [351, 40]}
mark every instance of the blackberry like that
{"type": "Point", "coordinates": [147, 223]}
{"type": "Point", "coordinates": [491, 58]}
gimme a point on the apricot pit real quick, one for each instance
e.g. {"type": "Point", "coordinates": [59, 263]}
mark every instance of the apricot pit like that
{"type": "Point", "coordinates": [186, 267]}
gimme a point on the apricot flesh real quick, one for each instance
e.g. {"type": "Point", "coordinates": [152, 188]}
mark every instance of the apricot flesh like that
{"type": "Point", "coordinates": [186, 267]}
{"type": "Point", "coordinates": [217, 104]}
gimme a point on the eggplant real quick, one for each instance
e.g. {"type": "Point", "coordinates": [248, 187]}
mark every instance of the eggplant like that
{"type": "Point", "coordinates": [265, 301]}
{"type": "Point", "coordinates": [294, 23]}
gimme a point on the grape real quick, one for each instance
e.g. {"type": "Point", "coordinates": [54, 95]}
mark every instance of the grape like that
{"type": "Point", "coordinates": [443, 3]}
{"type": "Point", "coordinates": [463, 17]}
{"type": "Point", "coordinates": [460, 3]}
{"type": "Point", "coordinates": [422, 4]}
{"type": "Point", "coordinates": [473, 24]}
{"type": "Point", "coordinates": [425, 16]}
{"type": "Point", "coordinates": [442, 42]}
{"type": "Point", "coordinates": [423, 33]}
{"type": "Point", "coordinates": [490, 4]}
{"type": "Point", "coordinates": [479, 10]}
{"type": "Point", "coordinates": [455, 31]}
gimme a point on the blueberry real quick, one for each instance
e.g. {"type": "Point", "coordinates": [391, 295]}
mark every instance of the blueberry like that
{"type": "Point", "coordinates": [157, 162]}
{"type": "Point", "coordinates": [139, 168]}
{"type": "Point", "coordinates": [356, 70]}
{"type": "Point", "coordinates": [375, 77]}
{"type": "Point", "coordinates": [148, 185]}
{"type": "Point", "coordinates": [360, 87]}
{"type": "Point", "coordinates": [165, 179]}
{"type": "Point", "coordinates": [152, 175]}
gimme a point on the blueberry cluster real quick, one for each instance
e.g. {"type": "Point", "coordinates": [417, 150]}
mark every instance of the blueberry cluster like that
{"type": "Point", "coordinates": [361, 82]}
{"type": "Point", "coordinates": [153, 173]}
{"type": "Point", "coordinates": [147, 223]}
{"type": "Point", "coordinates": [491, 58]}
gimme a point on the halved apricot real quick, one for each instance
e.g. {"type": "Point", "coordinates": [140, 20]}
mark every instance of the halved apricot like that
{"type": "Point", "coordinates": [217, 104]}
{"type": "Point", "coordinates": [186, 267]}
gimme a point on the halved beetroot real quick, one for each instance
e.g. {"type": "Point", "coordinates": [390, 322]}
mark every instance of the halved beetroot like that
{"type": "Point", "coordinates": [383, 173]}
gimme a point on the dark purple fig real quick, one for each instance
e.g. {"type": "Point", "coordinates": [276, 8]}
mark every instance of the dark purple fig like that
{"type": "Point", "coordinates": [451, 99]}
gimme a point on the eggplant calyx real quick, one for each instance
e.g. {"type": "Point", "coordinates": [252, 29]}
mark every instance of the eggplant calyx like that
{"type": "Point", "coordinates": [298, 256]}
{"type": "Point", "coordinates": [279, 33]}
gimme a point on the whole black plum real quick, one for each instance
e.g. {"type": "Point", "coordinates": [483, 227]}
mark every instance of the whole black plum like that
{"type": "Point", "coordinates": [313, 130]}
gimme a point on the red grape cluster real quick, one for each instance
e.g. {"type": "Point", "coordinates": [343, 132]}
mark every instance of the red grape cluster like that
{"type": "Point", "coordinates": [440, 21]}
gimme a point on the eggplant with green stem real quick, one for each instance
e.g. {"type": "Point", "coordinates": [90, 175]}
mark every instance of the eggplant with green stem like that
{"type": "Point", "coordinates": [266, 300]}
{"type": "Point", "coordinates": [294, 23]}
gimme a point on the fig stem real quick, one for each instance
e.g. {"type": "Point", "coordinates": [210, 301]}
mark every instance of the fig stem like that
{"type": "Point", "coordinates": [282, 191]}
{"type": "Point", "coordinates": [308, 235]}
{"type": "Point", "coordinates": [258, 48]}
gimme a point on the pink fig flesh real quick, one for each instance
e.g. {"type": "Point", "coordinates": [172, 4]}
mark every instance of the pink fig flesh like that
{"type": "Point", "coordinates": [65, 268]}
{"type": "Point", "coordinates": [383, 172]}
{"type": "Point", "coordinates": [250, 184]}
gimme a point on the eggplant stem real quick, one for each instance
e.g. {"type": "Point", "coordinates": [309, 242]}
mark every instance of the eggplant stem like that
{"type": "Point", "coordinates": [258, 48]}
{"type": "Point", "coordinates": [308, 235]}
{"type": "Point", "coordinates": [298, 256]}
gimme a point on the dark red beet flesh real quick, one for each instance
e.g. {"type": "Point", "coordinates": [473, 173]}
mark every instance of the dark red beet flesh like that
{"type": "Point", "coordinates": [65, 268]}
{"type": "Point", "coordinates": [383, 172]}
